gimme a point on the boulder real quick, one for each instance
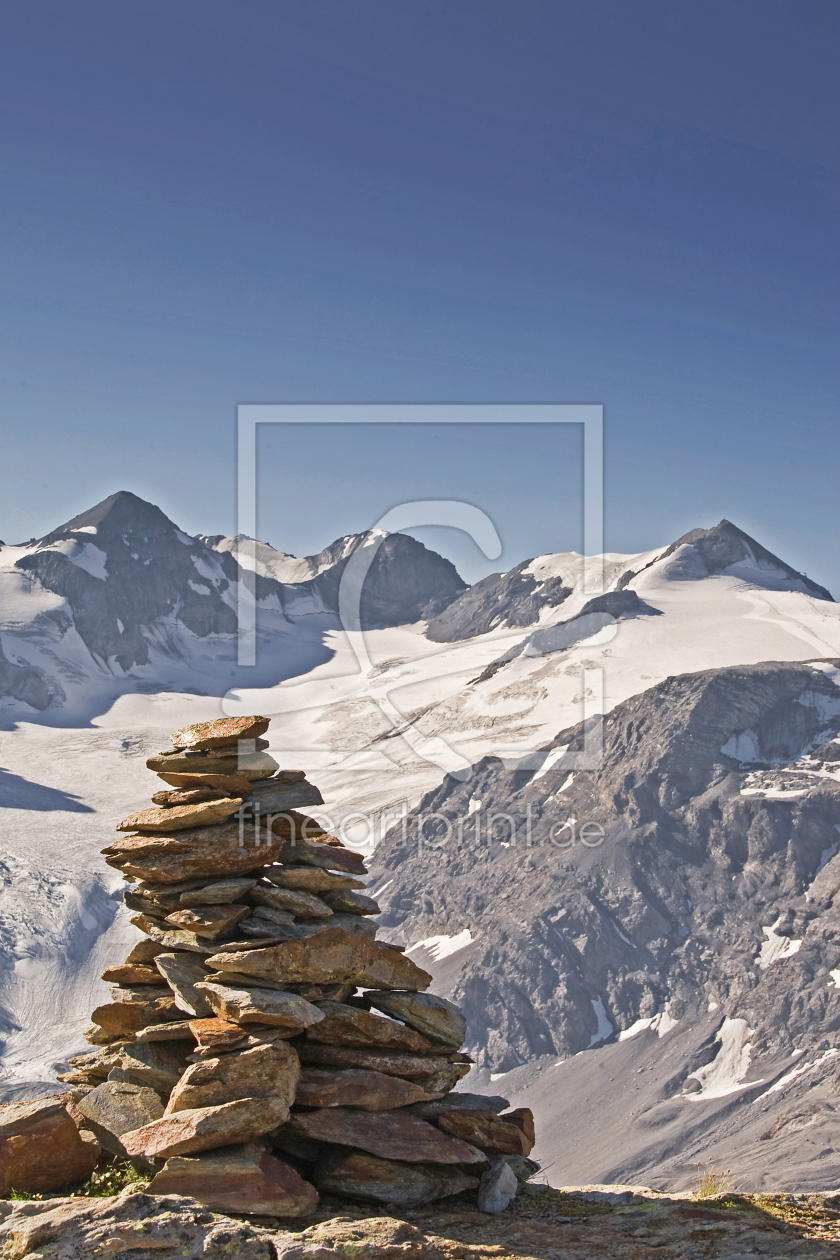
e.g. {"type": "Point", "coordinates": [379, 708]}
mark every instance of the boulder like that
{"type": "Point", "coordinates": [182, 972]}
{"type": "Point", "coordinates": [497, 1188]}
{"type": "Point", "coordinates": [389, 1134]}
{"type": "Point", "coordinates": [348, 1026]}
{"type": "Point", "coordinates": [229, 784]}
{"type": "Point", "coordinates": [208, 921]}
{"type": "Point", "coordinates": [310, 879]}
{"type": "Point", "coordinates": [117, 1107]}
{"type": "Point", "coordinates": [41, 1150]}
{"type": "Point", "coordinates": [223, 849]}
{"type": "Point", "coordinates": [144, 951]}
{"type": "Point", "coordinates": [244, 1179]}
{"type": "Point", "coordinates": [206, 1128]}
{"type": "Point", "coordinates": [461, 1102]}
{"type": "Point", "coordinates": [433, 1016]}
{"type": "Point", "coordinates": [263, 1071]}
{"type": "Point", "coordinates": [391, 1062]}
{"type": "Point", "coordinates": [302, 904]}
{"type": "Point", "coordinates": [486, 1130]}
{"type": "Point", "coordinates": [220, 893]}
{"type": "Point", "coordinates": [250, 766]}
{"type": "Point", "coordinates": [217, 1034]}
{"type": "Point", "coordinates": [355, 1087]}
{"type": "Point", "coordinates": [133, 973]}
{"type": "Point", "coordinates": [332, 956]}
{"type": "Point", "coordinates": [172, 938]}
{"type": "Point", "coordinates": [261, 1006]}
{"type": "Point", "coordinates": [122, 1019]}
{"type": "Point", "coordinates": [346, 901]}
{"type": "Point", "coordinates": [360, 1176]}
{"type": "Point", "coordinates": [217, 734]}
{"type": "Point", "coordinates": [158, 1065]}
{"type": "Point", "coordinates": [181, 817]}
{"type": "Point", "coordinates": [327, 856]}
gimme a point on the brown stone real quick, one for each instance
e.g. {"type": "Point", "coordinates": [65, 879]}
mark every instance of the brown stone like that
{"type": "Point", "coordinates": [268, 914]}
{"type": "Point", "coordinates": [302, 904]}
{"type": "Point", "coordinates": [360, 1176]}
{"type": "Point", "coordinates": [206, 1128]}
{"type": "Point", "coordinates": [333, 956]}
{"type": "Point", "coordinates": [176, 1031]}
{"type": "Point", "coordinates": [391, 1062]}
{"type": "Point", "coordinates": [222, 893]}
{"type": "Point", "coordinates": [121, 1019]}
{"type": "Point", "coordinates": [92, 1068]}
{"type": "Point", "coordinates": [216, 1034]}
{"type": "Point", "coordinates": [172, 939]}
{"type": "Point", "coordinates": [327, 856]}
{"type": "Point", "coordinates": [251, 766]}
{"type": "Point", "coordinates": [208, 921]}
{"type": "Point", "coordinates": [523, 1117]}
{"type": "Point", "coordinates": [41, 1149]}
{"type": "Point", "coordinates": [264, 1071]}
{"type": "Point", "coordinates": [228, 730]}
{"type": "Point", "coordinates": [115, 1108]}
{"type": "Point", "coordinates": [203, 851]}
{"type": "Point", "coordinates": [261, 1006]}
{"type": "Point", "coordinates": [485, 1130]}
{"type": "Point", "coordinates": [228, 784]}
{"type": "Point", "coordinates": [345, 901]}
{"type": "Point", "coordinates": [182, 972]}
{"type": "Point", "coordinates": [347, 922]}
{"type": "Point", "coordinates": [144, 951]}
{"type": "Point", "coordinates": [311, 879]}
{"type": "Point", "coordinates": [133, 973]}
{"type": "Point", "coordinates": [355, 1087]}
{"type": "Point", "coordinates": [242, 1179]}
{"type": "Point", "coordinates": [435, 1017]}
{"type": "Point", "coordinates": [444, 1078]}
{"type": "Point", "coordinates": [349, 1026]}
{"type": "Point", "coordinates": [181, 817]}
{"type": "Point", "coordinates": [157, 1065]}
{"type": "Point", "coordinates": [390, 1134]}
{"type": "Point", "coordinates": [190, 796]}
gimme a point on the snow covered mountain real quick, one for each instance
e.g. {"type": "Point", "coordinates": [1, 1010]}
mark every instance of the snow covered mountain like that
{"type": "Point", "coordinates": [472, 701]}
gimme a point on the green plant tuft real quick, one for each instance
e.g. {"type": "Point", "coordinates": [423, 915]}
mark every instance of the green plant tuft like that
{"type": "Point", "coordinates": [113, 1180]}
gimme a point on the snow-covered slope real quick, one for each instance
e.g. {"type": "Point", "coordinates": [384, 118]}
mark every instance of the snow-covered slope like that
{"type": "Point", "coordinates": [444, 678]}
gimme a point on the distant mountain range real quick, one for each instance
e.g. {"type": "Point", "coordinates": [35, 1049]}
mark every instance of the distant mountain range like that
{"type": "Point", "coordinates": [666, 993]}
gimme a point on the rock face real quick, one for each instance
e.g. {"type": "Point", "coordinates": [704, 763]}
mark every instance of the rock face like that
{"type": "Point", "coordinates": [247, 972]}
{"type": "Point", "coordinates": [41, 1149]}
{"type": "Point", "coordinates": [123, 565]}
{"type": "Point", "coordinates": [673, 905]}
{"type": "Point", "coordinates": [22, 683]}
{"type": "Point", "coordinates": [515, 598]}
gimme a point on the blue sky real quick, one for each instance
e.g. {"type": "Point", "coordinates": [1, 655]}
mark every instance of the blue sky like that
{"type": "Point", "coordinates": [632, 203]}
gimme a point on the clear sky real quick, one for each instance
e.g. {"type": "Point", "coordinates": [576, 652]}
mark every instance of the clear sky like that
{"type": "Point", "coordinates": [629, 202]}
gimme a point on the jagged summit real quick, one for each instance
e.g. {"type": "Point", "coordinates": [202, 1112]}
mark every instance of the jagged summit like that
{"type": "Point", "coordinates": [119, 512]}
{"type": "Point", "coordinates": [725, 544]}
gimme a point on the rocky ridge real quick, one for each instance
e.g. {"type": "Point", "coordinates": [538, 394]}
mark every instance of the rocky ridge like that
{"type": "Point", "coordinates": [261, 1046]}
{"type": "Point", "coordinates": [675, 906]}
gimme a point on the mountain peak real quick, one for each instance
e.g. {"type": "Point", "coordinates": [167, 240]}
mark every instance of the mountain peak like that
{"type": "Point", "coordinates": [116, 513]}
{"type": "Point", "coordinates": [725, 544]}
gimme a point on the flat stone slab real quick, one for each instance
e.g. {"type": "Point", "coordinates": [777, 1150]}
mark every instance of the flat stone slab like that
{"type": "Point", "coordinates": [263, 1071]}
{"type": "Point", "coordinates": [201, 851]}
{"type": "Point", "coordinates": [332, 956]}
{"type": "Point", "coordinates": [207, 1128]}
{"type": "Point", "coordinates": [389, 1134]}
{"type": "Point", "coordinates": [288, 1011]}
{"type": "Point", "coordinates": [349, 1026]}
{"type": "Point", "coordinates": [366, 1177]}
{"type": "Point", "coordinates": [181, 817]}
{"type": "Point", "coordinates": [244, 1179]}
{"type": "Point", "coordinates": [227, 730]}
{"type": "Point", "coordinates": [434, 1016]}
{"type": "Point", "coordinates": [356, 1087]}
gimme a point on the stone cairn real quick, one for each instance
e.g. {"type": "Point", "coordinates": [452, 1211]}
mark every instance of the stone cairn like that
{"type": "Point", "coordinates": [260, 1045]}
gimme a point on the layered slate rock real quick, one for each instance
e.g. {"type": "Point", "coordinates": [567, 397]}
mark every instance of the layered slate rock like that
{"type": "Point", "coordinates": [41, 1148]}
{"type": "Point", "coordinates": [259, 1021]}
{"type": "Point", "coordinates": [243, 1179]}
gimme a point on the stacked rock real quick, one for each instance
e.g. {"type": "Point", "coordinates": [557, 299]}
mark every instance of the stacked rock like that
{"type": "Point", "coordinates": [261, 1045]}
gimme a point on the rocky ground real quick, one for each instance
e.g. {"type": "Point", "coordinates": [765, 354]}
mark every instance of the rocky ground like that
{"type": "Point", "coordinates": [575, 1223]}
